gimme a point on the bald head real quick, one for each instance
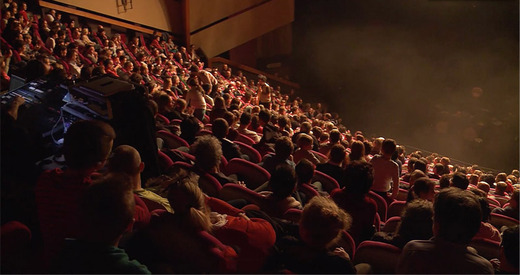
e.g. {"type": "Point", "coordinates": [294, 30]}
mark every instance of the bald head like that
{"type": "Point", "coordinates": [125, 159]}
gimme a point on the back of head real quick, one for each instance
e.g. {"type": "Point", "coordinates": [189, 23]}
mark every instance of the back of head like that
{"type": "Point", "coordinates": [87, 143]}
{"type": "Point", "coordinates": [484, 186]}
{"type": "Point", "coordinates": [388, 146]}
{"type": "Point", "coordinates": [283, 181]}
{"type": "Point", "coordinates": [457, 215]}
{"type": "Point", "coordinates": [304, 140]}
{"type": "Point", "coordinates": [107, 209]}
{"type": "Point", "coordinates": [220, 128]}
{"type": "Point", "coordinates": [500, 189]}
{"type": "Point", "coordinates": [305, 127]}
{"type": "Point", "coordinates": [510, 240]}
{"type": "Point", "coordinates": [459, 180]}
{"type": "Point", "coordinates": [415, 175]}
{"type": "Point", "coordinates": [304, 171]}
{"type": "Point", "coordinates": [245, 119]}
{"type": "Point", "coordinates": [337, 153]}
{"type": "Point", "coordinates": [188, 203]}
{"type": "Point", "coordinates": [484, 204]}
{"type": "Point", "coordinates": [322, 222]}
{"type": "Point", "coordinates": [420, 165]}
{"type": "Point", "coordinates": [357, 150]}
{"type": "Point", "coordinates": [444, 181]}
{"type": "Point", "coordinates": [124, 159]}
{"type": "Point", "coordinates": [207, 151]}
{"type": "Point", "coordinates": [359, 176]}
{"type": "Point", "coordinates": [264, 116]}
{"type": "Point", "coordinates": [189, 128]}
{"type": "Point", "coordinates": [283, 147]}
{"type": "Point", "coordinates": [334, 136]}
{"type": "Point", "coordinates": [416, 221]}
{"type": "Point", "coordinates": [421, 188]}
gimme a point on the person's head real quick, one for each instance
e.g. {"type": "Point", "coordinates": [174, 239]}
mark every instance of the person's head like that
{"type": "Point", "coordinates": [500, 189]}
{"type": "Point", "coordinates": [357, 150]}
{"type": "Point", "coordinates": [337, 153]}
{"type": "Point", "coordinates": [245, 119]}
{"type": "Point", "coordinates": [423, 188]}
{"type": "Point", "coordinates": [306, 127]}
{"type": "Point", "coordinates": [188, 202]}
{"type": "Point", "coordinates": [106, 209]}
{"type": "Point", "coordinates": [484, 186]}
{"type": "Point", "coordinates": [264, 116]}
{"type": "Point", "coordinates": [415, 175]}
{"type": "Point", "coordinates": [359, 176]}
{"type": "Point", "coordinates": [484, 204]}
{"type": "Point", "coordinates": [164, 103]}
{"type": "Point", "coordinates": [125, 159]}
{"type": "Point", "coordinates": [444, 181]}
{"type": "Point", "coordinates": [416, 221]}
{"type": "Point", "coordinates": [420, 165]}
{"type": "Point", "coordinates": [509, 249]}
{"type": "Point", "coordinates": [459, 180]}
{"type": "Point", "coordinates": [189, 128]}
{"type": "Point", "coordinates": [207, 151]}
{"type": "Point", "coordinates": [87, 144]}
{"type": "Point", "coordinates": [304, 142]}
{"type": "Point", "coordinates": [304, 171]}
{"type": "Point", "coordinates": [457, 215]}
{"type": "Point", "coordinates": [388, 147]}
{"type": "Point", "coordinates": [283, 147]}
{"type": "Point", "coordinates": [513, 202]}
{"type": "Point", "coordinates": [322, 222]}
{"type": "Point", "coordinates": [501, 177]}
{"type": "Point", "coordinates": [220, 128]}
{"type": "Point", "coordinates": [334, 136]}
{"type": "Point", "coordinates": [283, 181]}
{"type": "Point", "coordinates": [473, 179]}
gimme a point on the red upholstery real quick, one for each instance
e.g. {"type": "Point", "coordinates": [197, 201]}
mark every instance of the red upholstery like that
{"type": "Point", "coordinates": [382, 257]}
{"type": "Point", "coordinates": [323, 158]}
{"type": "Point", "coordinates": [498, 220]}
{"type": "Point", "coordinates": [486, 248]}
{"type": "Point", "coordinates": [395, 209]}
{"type": "Point", "coordinates": [502, 200]}
{"type": "Point", "coordinates": [162, 118]}
{"type": "Point", "coordinates": [252, 174]}
{"type": "Point", "coordinates": [164, 161]}
{"type": "Point", "coordinates": [493, 201]}
{"type": "Point", "coordinates": [391, 224]}
{"type": "Point", "coordinates": [175, 122]}
{"type": "Point", "coordinates": [245, 139]}
{"type": "Point", "coordinates": [308, 191]}
{"type": "Point", "coordinates": [171, 141]}
{"type": "Point", "coordinates": [207, 183]}
{"type": "Point", "coordinates": [402, 195]}
{"type": "Point", "coordinates": [347, 242]}
{"type": "Point", "coordinates": [381, 205]}
{"type": "Point", "coordinates": [252, 153]}
{"type": "Point", "coordinates": [293, 215]}
{"type": "Point", "coordinates": [328, 182]}
{"type": "Point", "coordinates": [14, 236]}
{"type": "Point", "coordinates": [232, 191]}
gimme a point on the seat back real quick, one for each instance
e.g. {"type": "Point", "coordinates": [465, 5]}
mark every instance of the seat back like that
{"type": "Point", "coordinates": [252, 153]}
{"type": "Point", "coordinates": [382, 257]}
{"type": "Point", "coordinates": [498, 220]}
{"type": "Point", "coordinates": [164, 161]}
{"type": "Point", "coordinates": [203, 132]}
{"type": "Point", "coordinates": [252, 174]}
{"type": "Point", "coordinates": [486, 248]}
{"type": "Point", "coordinates": [402, 195]}
{"type": "Point", "coordinates": [172, 141]}
{"type": "Point", "coordinates": [347, 242]}
{"type": "Point", "coordinates": [309, 191]}
{"type": "Point", "coordinates": [245, 139]}
{"type": "Point", "coordinates": [293, 215]}
{"type": "Point", "coordinates": [381, 205]}
{"type": "Point", "coordinates": [207, 183]}
{"type": "Point", "coordinates": [493, 201]}
{"type": "Point", "coordinates": [502, 200]}
{"type": "Point", "coordinates": [321, 157]}
{"type": "Point", "coordinates": [328, 182]}
{"type": "Point", "coordinates": [233, 191]}
{"type": "Point", "coordinates": [391, 224]}
{"type": "Point", "coordinates": [395, 209]}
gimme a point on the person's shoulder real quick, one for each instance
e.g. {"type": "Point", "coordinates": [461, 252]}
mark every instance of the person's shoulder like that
{"type": "Point", "coordinates": [419, 245]}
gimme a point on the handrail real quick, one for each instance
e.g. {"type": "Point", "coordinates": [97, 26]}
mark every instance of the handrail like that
{"type": "Point", "coordinates": [94, 16]}
{"type": "Point", "coordinates": [252, 70]}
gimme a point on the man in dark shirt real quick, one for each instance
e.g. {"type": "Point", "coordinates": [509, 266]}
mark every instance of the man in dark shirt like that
{"type": "Point", "coordinates": [333, 166]}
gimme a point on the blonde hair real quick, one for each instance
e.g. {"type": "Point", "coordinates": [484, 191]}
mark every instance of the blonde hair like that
{"type": "Point", "coordinates": [323, 221]}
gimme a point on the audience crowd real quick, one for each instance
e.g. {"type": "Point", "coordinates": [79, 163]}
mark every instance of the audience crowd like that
{"type": "Point", "coordinates": [247, 178]}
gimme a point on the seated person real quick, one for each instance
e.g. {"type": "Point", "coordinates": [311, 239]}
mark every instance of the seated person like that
{"type": "Point", "coordinates": [208, 154]}
{"type": "Point", "coordinates": [220, 129]}
{"type": "Point", "coordinates": [512, 209]}
{"type": "Point", "coordinates": [333, 166]}
{"type": "Point", "coordinates": [321, 224]}
{"type": "Point", "coordinates": [423, 188]}
{"type": "Point", "coordinates": [486, 231]}
{"type": "Point", "coordinates": [416, 224]}
{"type": "Point", "coordinates": [245, 121]}
{"type": "Point", "coordinates": [508, 262]}
{"type": "Point", "coordinates": [459, 180]}
{"type": "Point", "coordinates": [304, 144]}
{"type": "Point", "coordinates": [58, 191]}
{"type": "Point", "coordinates": [126, 160]}
{"type": "Point", "coordinates": [282, 183]}
{"type": "Point", "coordinates": [354, 199]}
{"type": "Point", "coordinates": [448, 250]}
{"type": "Point", "coordinates": [283, 150]}
{"type": "Point", "coordinates": [106, 213]}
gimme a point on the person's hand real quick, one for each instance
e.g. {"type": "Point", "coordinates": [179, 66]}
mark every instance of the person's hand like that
{"type": "Point", "coordinates": [18, 101]}
{"type": "Point", "coordinates": [339, 251]}
{"type": "Point", "coordinates": [243, 215]}
{"type": "Point", "coordinates": [241, 183]}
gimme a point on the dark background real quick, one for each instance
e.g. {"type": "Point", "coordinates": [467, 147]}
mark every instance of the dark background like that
{"type": "Point", "coordinates": [405, 69]}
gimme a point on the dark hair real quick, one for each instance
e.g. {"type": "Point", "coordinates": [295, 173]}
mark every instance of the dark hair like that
{"type": "Point", "coordinates": [337, 153]}
{"type": "Point", "coordinates": [359, 176]}
{"type": "Point", "coordinates": [459, 180]}
{"type": "Point", "coordinates": [304, 171]}
{"type": "Point", "coordinates": [334, 136]}
{"type": "Point", "coordinates": [510, 244]}
{"type": "Point", "coordinates": [220, 128]}
{"type": "Point", "coordinates": [245, 118]}
{"type": "Point", "coordinates": [416, 222]}
{"type": "Point", "coordinates": [264, 116]}
{"type": "Point", "coordinates": [283, 147]}
{"type": "Point", "coordinates": [420, 165]}
{"type": "Point", "coordinates": [87, 142]}
{"type": "Point", "coordinates": [388, 146]}
{"type": "Point", "coordinates": [420, 186]}
{"type": "Point", "coordinates": [457, 215]}
{"type": "Point", "coordinates": [282, 181]}
{"type": "Point", "coordinates": [444, 181]}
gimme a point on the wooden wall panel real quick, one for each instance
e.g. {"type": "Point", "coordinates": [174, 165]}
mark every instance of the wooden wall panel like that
{"type": "Point", "coordinates": [204, 12]}
{"type": "Point", "coordinates": [243, 27]}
